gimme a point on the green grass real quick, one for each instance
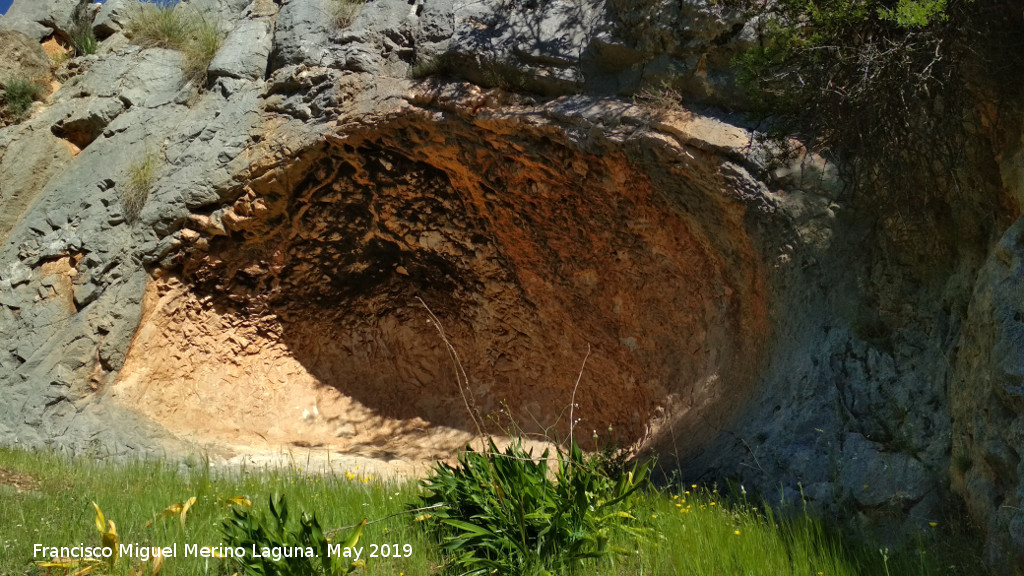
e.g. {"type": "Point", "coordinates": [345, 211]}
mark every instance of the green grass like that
{"type": "Point", "coordinates": [135, 192]}
{"type": "Point", "coordinates": [58, 511]}
{"type": "Point", "coordinates": [182, 28]}
{"type": "Point", "coordinates": [83, 40]}
{"type": "Point", "coordinates": [18, 96]}
{"type": "Point", "coordinates": [698, 532]}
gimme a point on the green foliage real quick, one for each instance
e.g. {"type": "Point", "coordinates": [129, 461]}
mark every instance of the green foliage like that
{"type": "Point", "coordinates": [915, 13]}
{"type": "Point", "coordinates": [18, 96]}
{"type": "Point", "coordinates": [82, 39]}
{"type": "Point", "coordinates": [178, 28]}
{"type": "Point", "coordinates": [135, 193]}
{"type": "Point", "coordinates": [505, 514]}
{"type": "Point", "coordinates": [49, 497]}
{"type": "Point", "coordinates": [875, 83]}
{"type": "Point", "coordinates": [248, 530]}
{"type": "Point", "coordinates": [199, 52]}
{"type": "Point", "coordinates": [159, 25]}
{"type": "Point", "coordinates": [345, 12]}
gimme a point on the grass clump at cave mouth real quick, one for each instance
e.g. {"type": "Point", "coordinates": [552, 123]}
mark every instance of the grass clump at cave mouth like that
{"type": "Point", "coordinates": [48, 500]}
{"type": "Point", "coordinates": [182, 28]}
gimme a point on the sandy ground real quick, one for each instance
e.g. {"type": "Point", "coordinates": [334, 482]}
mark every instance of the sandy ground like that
{"type": "Point", "coordinates": [224, 384]}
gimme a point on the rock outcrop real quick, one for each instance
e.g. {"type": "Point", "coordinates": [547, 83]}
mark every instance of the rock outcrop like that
{"type": "Point", "coordinates": [338, 209]}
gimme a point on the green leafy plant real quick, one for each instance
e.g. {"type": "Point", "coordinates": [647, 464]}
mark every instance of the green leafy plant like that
{"type": "Point", "coordinates": [345, 12]}
{"type": "Point", "coordinates": [18, 96]}
{"type": "Point", "coordinates": [508, 513]}
{"type": "Point", "coordinates": [83, 40]}
{"type": "Point", "coordinates": [278, 529]}
{"type": "Point", "coordinates": [915, 13]}
{"type": "Point", "coordinates": [134, 194]}
{"type": "Point", "coordinates": [190, 31]}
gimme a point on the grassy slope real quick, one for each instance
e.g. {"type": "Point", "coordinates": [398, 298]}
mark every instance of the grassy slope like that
{"type": "Point", "coordinates": [701, 534]}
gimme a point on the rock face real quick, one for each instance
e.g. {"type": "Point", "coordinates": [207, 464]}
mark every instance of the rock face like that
{"type": "Point", "coordinates": [25, 59]}
{"type": "Point", "coordinates": [44, 18]}
{"type": "Point", "coordinates": [329, 253]}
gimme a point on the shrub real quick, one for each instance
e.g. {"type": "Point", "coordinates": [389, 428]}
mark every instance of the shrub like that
{"type": "Point", "coordinates": [504, 513]}
{"type": "Point", "coordinates": [19, 94]}
{"type": "Point", "coordinates": [141, 177]}
{"type": "Point", "coordinates": [183, 29]}
{"type": "Point", "coordinates": [439, 65]}
{"type": "Point", "coordinates": [345, 12]}
{"type": "Point", "coordinates": [659, 99]}
{"type": "Point", "coordinates": [250, 531]}
{"type": "Point", "coordinates": [875, 83]}
{"type": "Point", "coordinates": [486, 71]}
{"type": "Point", "coordinates": [83, 40]}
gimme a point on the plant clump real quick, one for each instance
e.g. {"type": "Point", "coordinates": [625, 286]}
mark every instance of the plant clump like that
{"type": "Point", "coordinates": [134, 194]}
{"type": "Point", "coordinates": [874, 83]}
{"type": "Point", "coordinates": [508, 513]}
{"type": "Point", "coordinates": [18, 95]}
{"type": "Point", "coordinates": [345, 12]}
{"type": "Point", "coordinates": [660, 99]}
{"type": "Point", "coordinates": [277, 530]}
{"type": "Point", "coordinates": [83, 40]}
{"type": "Point", "coordinates": [180, 28]}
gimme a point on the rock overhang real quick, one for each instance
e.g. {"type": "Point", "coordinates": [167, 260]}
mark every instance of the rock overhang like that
{"type": "Point", "coordinates": [536, 235]}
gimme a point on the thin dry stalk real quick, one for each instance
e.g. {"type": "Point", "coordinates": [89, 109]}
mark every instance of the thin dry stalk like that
{"type": "Point", "coordinates": [460, 373]}
{"type": "Point", "coordinates": [572, 400]}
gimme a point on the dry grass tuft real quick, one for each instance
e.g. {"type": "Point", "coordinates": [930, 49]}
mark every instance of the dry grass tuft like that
{"type": "Point", "coordinates": [134, 194]}
{"type": "Point", "coordinates": [345, 12]}
{"type": "Point", "coordinates": [178, 28]}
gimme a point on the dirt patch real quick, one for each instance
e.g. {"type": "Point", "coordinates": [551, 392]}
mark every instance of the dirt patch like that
{"type": "Point", "coordinates": [20, 482]}
{"type": "Point", "coordinates": [228, 382]}
{"type": "Point", "coordinates": [58, 276]}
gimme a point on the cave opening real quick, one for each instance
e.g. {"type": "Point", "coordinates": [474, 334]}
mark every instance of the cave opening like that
{"type": "Point", "coordinates": [529, 252]}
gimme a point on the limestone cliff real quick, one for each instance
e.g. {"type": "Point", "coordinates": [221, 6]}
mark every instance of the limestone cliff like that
{"type": "Point", "coordinates": [328, 189]}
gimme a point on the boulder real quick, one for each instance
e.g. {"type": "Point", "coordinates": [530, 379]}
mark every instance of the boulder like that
{"type": "Point", "coordinates": [112, 17]}
{"type": "Point", "coordinates": [41, 18]}
{"type": "Point", "coordinates": [23, 58]}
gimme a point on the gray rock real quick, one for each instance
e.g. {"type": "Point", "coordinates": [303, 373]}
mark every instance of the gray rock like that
{"type": "Point", "coordinates": [112, 17]}
{"type": "Point", "coordinates": [23, 58]}
{"type": "Point", "coordinates": [245, 52]}
{"type": "Point", "coordinates": [301, 34]}
{"type": "Point", "coordinates": [41, 18]}
{"type": "Point", "coordinates": [990, 381]}
{"type": "Point", "coordinates": [15, 273]}
{"type": "Point", "coordinates": [875, 477]}
{"type": "Point", "coordinates": [88, 120]}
